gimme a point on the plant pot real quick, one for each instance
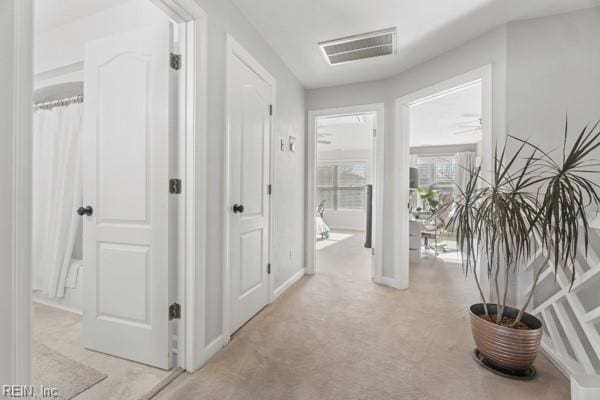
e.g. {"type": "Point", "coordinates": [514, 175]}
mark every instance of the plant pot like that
{"type": "Point", "coordinates": [507, 348]}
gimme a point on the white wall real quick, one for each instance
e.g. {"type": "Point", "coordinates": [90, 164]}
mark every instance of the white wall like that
{"type": "Point", "coordinates": [489, 48]}
{"type": "Point", "coordinates": [288, 185]}
{"type": "Point", "coordinates": [553, 69]}
{"type": "Point", "coordinates": [64, 45]}
{"type": "Point", "coordinates": [6, 181]}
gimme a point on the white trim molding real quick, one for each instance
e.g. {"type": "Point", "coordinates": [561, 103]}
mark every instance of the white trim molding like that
{"type": "Point", "coordinates": [234, 49]}
{"type": "Point", "coordinates": [401, 150]}
{"type": "Point", "coordinates": [21, 191]}
{"type": "Point", "coordinates": [191, 286]}
{"type": "Point", "coordinates": [287, 284]}
{"type": "Point", "coordinates": [378, 189]}
{"type": "Point", "coordinates": [213, 347]}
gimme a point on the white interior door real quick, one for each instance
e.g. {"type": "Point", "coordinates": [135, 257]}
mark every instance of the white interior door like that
{"type": "Point", "coordinates": [249, 99]}
{"type": "Point", "coordinates": [126, 174]}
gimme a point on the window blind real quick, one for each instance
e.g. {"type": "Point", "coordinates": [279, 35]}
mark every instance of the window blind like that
{"type": "Point", "coordinates": [342, 186]}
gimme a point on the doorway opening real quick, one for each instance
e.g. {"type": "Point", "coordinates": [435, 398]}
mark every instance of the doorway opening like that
{"type": "Point", "coordinates": [445, 130]}
{"type": "Point", "coordinates": [445, 140]}
{"type": "Point", "coordinates": [345, 192]}
{"type": "Point", "coordinates": [110, 260]}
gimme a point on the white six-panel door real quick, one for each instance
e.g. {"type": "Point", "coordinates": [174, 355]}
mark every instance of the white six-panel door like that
{"type": "Point", "coordinates": [249, 99]}
{"type": "Point", "coordinates": [126, 174]}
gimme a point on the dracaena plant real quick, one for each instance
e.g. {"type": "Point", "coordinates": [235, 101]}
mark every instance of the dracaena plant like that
{"type": "Point", "coordinates": [530, 204]}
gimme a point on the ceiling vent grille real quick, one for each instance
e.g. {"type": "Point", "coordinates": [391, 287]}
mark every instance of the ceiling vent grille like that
{"type": "Point", "coordinates": [360, 47]}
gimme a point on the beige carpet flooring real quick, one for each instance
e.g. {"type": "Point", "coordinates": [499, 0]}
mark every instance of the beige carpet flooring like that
{"type": "Point", "coordinates": [337, 335]}
{"type": "Point", "coordinates": [61, 331]}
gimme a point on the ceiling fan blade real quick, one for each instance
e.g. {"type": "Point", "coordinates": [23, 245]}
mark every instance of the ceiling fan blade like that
{"type": "Point", "coordinates": [465, 131]}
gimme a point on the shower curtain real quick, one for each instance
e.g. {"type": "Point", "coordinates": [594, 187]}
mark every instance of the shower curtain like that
{"type": "Point", "coordinates": [57, 193]}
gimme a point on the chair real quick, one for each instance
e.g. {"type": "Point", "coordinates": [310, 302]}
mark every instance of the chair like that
{"type": "Point", "coordinates": [320, 226]}
{"type": "Point", "coordinates": [321, 208]}
{"type": "Point", "coordinates": [433, 226]}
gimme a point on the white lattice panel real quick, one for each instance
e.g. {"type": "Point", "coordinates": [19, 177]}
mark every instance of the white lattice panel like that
{"type": "Point", "coordinates": [571, 316]}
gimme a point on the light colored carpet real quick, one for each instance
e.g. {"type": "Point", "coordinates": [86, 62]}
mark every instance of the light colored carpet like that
{"type": "Point", "coordinates": [338, 336]}
{"type": "Point", "coordinates": [54, 370]}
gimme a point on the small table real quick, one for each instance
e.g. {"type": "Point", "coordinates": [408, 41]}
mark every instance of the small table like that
{"type": "Point", "coordinates": [415, 227]}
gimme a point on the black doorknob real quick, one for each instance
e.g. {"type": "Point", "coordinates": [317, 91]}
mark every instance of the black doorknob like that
{"type": "Point", "coordinates": [238, 208]}
{"type": "Point", "coordinates": [85, 211]}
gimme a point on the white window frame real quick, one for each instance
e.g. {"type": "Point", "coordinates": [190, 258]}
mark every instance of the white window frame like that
{"type": "Point", "coordinates": [335, 163]}
{"type": "Point", "coordinates": [438, 157]}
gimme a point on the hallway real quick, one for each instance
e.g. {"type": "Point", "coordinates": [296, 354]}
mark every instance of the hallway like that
{"type": "Point", "coordinates": [336, 335]}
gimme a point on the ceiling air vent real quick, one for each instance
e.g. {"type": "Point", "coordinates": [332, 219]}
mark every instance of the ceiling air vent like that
{"type": "Point", "coordinates": [359, 47]}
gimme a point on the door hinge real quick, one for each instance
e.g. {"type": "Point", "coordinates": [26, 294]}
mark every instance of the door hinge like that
{"type": "Point", "coordinates": [374, 132]}
{"type": "Point", "coordinates": [175, 186]}
{"type": "Point", "coordinates": [175, 61]}
{"type": "Point", "coordinates": [270, 109]}
{"type": "Point", "coordinates": [372, 251]}
{"type": "Point", "coordinates": [269, 188]}
{"type": "Point", "coordinates": [269, 268]}
{"type": "Point", "coordinates": [174, 311]}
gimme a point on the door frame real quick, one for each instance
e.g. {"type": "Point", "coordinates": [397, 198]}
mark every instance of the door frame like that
{"type": "Point", "coordinates": [192, 22]}
{"type": "Point", "coordinates": [402, 148]}
{"type": "Point", "coordinates": [234, 49]}
{"type": "Point", "coordinates": [311, 170]}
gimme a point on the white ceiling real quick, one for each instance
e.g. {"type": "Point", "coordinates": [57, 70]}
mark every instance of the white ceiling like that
{"type": "Point", "coordinates": [443, 120]}
{"type": "Point", "coordinates": [346, 133]}
{"type": "Point", "coordinates": [50, 14]}
{"type": "Point", "coordinates": [425, 29]}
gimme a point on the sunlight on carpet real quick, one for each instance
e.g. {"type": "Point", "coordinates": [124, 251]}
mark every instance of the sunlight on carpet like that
{"type": "Point", "coordinates": [334, 237]}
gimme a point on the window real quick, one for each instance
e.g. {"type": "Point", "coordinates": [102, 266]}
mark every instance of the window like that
{"type": "Point", "coordinates": [342, 185]}
{"type": "Point", "coordinates": [437, 171]}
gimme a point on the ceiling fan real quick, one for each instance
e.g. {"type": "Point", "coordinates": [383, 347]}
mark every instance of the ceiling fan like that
{"type": "Point", "coordinates": [468, 127]}
{"type": "Point", "coordinates": [321, 137]}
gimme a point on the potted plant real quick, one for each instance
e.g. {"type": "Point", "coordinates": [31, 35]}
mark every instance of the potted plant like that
{"type": "Point", "coordinates": [532, 206]}
{"type": "Point", "coordinates": [429, 197]}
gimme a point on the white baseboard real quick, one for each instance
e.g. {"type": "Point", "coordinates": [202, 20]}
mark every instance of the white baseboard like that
{"type": "Point", "coordinates": [285, 286]}
{"type": "Point", "coordinates": [585, 387]}
{"type": "Point", "coordinates": [396, 284]}
{"type": "Point", "coordinates": [220, 341]}
{"type": "Point", "coordinates": [59, 306]}
{"type": "Point", "coordinates": [213, 348]}
{"type": "Point", "coordinates": [555, 359]}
